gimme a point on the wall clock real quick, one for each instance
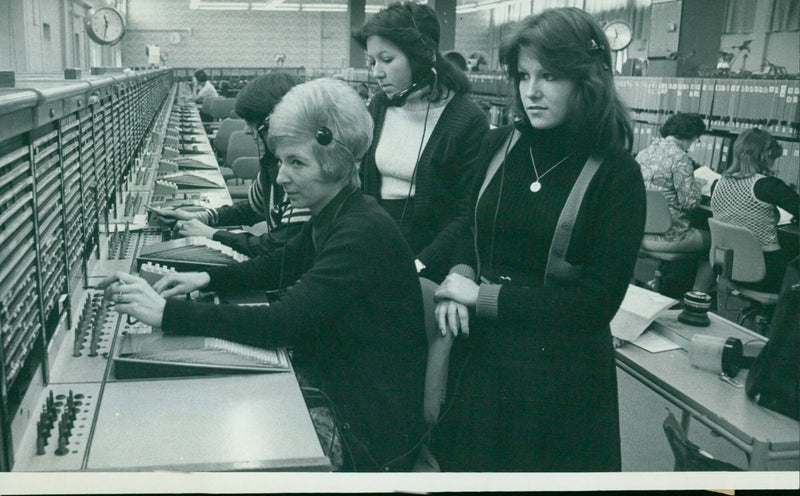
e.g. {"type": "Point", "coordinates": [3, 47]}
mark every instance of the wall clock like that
{"type": "Point", "coordinates": [105, 26]}
{"type": "Point", "coordinates": [619, 34]}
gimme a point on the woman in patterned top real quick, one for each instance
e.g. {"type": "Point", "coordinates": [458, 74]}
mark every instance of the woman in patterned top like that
{"type": "Point", "coordinates": [747, 195]}
{"type": "Point", "coordinates": [667, 167]}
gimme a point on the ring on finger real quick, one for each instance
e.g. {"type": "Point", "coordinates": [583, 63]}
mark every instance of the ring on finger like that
{"type": "Point", "coordinates": [119, 297]}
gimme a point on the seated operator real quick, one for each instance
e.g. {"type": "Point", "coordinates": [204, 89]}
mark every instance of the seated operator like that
{"type": "Point", "coordinates": [350, 281]}
{"type": "Point", "coordinates": [265, 200]}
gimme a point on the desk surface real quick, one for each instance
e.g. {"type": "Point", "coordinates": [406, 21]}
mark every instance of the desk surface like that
{"type": "Point", "coordinates": [247, 422]}
{"type": "Point", "coordinates": [711, 399]}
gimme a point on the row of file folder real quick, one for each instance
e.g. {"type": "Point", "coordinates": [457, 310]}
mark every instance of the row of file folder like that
{"type": "Point", "coordinates": [727, 104]}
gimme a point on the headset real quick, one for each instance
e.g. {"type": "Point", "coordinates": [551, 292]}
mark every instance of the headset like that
{"type": "Point", "coordinates": [399, 98]}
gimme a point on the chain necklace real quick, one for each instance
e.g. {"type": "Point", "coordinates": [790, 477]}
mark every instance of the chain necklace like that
{"type": "Point", "coordinates": [536, 185]}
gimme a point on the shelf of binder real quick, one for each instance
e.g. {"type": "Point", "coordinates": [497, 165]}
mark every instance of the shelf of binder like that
{"type": "Point", "coordinates": [731, 105]}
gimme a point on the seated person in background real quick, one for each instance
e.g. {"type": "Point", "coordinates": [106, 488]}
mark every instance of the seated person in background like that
{"type": "Point", "coordinates": [202, 86]}
{"type": "Point", "coordinates": [457, 60]}
{"type": "Point", "coordinates": [667, 167]}
{"type": "Point", "coordinates": [265, 201]}
{"type": "Point", "coordinates": [356, 292]}
{"type": "Point", "coordinates": [747, 196]}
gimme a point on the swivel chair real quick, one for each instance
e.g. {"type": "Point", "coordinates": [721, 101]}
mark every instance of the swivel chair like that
{"type": "Point", "coordinates": [658, 221]}
{"type": "Point", "coordinates": [737, 257]}
{"type": "Point", "coordinates": [222, 108]}
{"type": "Point", "coordinates": [240, 145]}
{"type": "Point", "coordinates": [221, 139]}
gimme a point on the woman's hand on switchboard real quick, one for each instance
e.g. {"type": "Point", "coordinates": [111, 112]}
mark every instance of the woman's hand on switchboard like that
{"type": "Point", "coordinates": [133, 296]}
{"type": "Point", "coordinates": [193, 227]}
{"type": "Point", "coordinates": [169, 216]}
{"type": "Point", "coordinates": [181, 283]}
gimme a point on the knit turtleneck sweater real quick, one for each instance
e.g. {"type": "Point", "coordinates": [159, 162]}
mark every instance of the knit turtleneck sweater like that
{"type": "Point", "coordinates": [512, 237]}
{"type": "Point", "coordinates": [402, 140]}
{"type": "Point", "coordinates": [515, 228]}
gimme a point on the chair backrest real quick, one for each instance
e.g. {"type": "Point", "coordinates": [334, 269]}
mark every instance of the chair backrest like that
{"type": "Point", "coordinates": [240, 144]}
{"type": "Point", "coordinates": [246, 167]}
{"type": "Point", "coordinates": [659, 218]}
{"type": "Point", "coordinates": [438, 356]}
{"type": "Point", "coordinates": [226, 128]}
{"type": "Point", "coordinates": [222, 108]}
{"type": "Point", "coordinates": [748, 257]}
{"type": "Point", "coordinates": [206, 106]}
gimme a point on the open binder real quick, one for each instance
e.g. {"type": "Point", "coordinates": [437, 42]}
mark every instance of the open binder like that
{"type": "Point", "coordinates": [162, 355]}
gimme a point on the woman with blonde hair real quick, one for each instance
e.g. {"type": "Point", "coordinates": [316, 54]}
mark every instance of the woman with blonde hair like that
{"type": "Point", "coordinates": [348, 280]}
{"type": "Point", "coordinates": [748, 195]}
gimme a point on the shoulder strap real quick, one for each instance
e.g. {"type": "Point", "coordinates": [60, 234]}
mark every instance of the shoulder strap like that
{"type": "Point", "coordinates": [494, 165]}
{"type": "Point", "coordinates": [498, 157]}
{"type": "Point", "coordinates": [557, 267]}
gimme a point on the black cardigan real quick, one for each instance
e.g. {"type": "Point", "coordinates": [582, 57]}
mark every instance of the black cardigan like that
{"type": "Point", "coordinates": [605, 240]}
{"type": "Point", "coordinates": [357, 296]}
{"type": "Point", "coordinates": [446, 169]}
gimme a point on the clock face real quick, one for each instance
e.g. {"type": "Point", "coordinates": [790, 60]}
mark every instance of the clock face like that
{"type": "Point", "coordinates": [106, 26]}
{"type": "Point", "coordinates": [619, 34]}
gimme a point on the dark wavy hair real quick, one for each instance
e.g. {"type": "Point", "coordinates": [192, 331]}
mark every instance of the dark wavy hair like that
{"type": "Point", "coordinates": [256, 100]}
{"type": "Point", "coordinates": [683, 126]}
{"type": "Point", "coordinates": [570, 44]}
{"type": "Point", "coordinates": [414, 28]}
{"type": "Point", "coordinates": [200, 75]}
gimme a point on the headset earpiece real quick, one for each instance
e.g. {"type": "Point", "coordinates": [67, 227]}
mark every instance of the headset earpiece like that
{"type": "Point", "coordinates": [324, 136]}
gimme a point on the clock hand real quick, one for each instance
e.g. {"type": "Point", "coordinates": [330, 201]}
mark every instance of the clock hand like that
{"type": "Point", "coordinates": [106, 28]}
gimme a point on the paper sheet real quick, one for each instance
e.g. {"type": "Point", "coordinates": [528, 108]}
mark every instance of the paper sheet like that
{"type": "Point", "coordinates": [654, 342]}
{"type": "Point", "coordinates": [638, 310]}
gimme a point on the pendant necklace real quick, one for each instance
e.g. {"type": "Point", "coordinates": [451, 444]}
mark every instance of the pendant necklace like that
{"type": "Point", "coordinates": [536, 185]}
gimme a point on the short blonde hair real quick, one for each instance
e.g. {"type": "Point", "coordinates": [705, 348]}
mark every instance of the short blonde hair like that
{"type": "Point", "coordinates": [324, 103]}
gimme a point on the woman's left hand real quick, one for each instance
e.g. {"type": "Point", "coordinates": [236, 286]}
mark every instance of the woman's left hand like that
{"type": "Point", "coordinates": [460, 289]}
{"type": "Point", "coordinates": [133, 296]}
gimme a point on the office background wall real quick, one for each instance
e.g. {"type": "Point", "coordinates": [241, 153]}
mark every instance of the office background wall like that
{"type": "Point", "coordinates": [49, 35]}
{"type": "Point", "coordinates": [233, 38]}
{"type": "Point", "coordinates": [197, 38]}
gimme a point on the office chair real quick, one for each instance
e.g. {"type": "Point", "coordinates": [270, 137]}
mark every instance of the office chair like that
{"type": "Point", "coordinates": [245, 169]}
{"type": "Point", "coordinates": [737, 257]}
{"type": "Point", "coordinates": [222, 108]}
{"type": "Point", "coordinates": [206, 105]}
{"type": "Point", "coordinates": [221, 139]}
{"type": "Point", "coordinates": [435, 372]}
{"type": "Point", "coordinates": [240, 145]}
{"type": "Point", "coordinates": [658, 221]}
{"type": "Point", "coordinates": [223, 136]}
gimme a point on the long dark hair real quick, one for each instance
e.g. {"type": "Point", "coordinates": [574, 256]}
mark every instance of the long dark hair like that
{"type": "Point", "coordinates": [570, 44]}
{"type": "Point", "coordinates": [414, 28]}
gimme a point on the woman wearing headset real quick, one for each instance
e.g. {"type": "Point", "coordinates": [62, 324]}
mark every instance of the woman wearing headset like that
{"type": "Point", "coordinates": [265, 200]}
{"type": "Point", "coordinates": [427, 132]}
{"type": "Point", "coordinates": [370, 353]}
{"type": "Point", "coordinates": [558, 222]}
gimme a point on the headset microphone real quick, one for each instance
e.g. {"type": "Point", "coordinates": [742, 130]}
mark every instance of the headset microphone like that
{"type": "Point", "coordinates": [399, 98]}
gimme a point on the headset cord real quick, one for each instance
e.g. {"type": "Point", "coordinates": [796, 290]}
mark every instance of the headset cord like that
{"type": "Point", "coordinates": [496, 209]}
{"type": "Point", "coordinates": [285, 242]}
